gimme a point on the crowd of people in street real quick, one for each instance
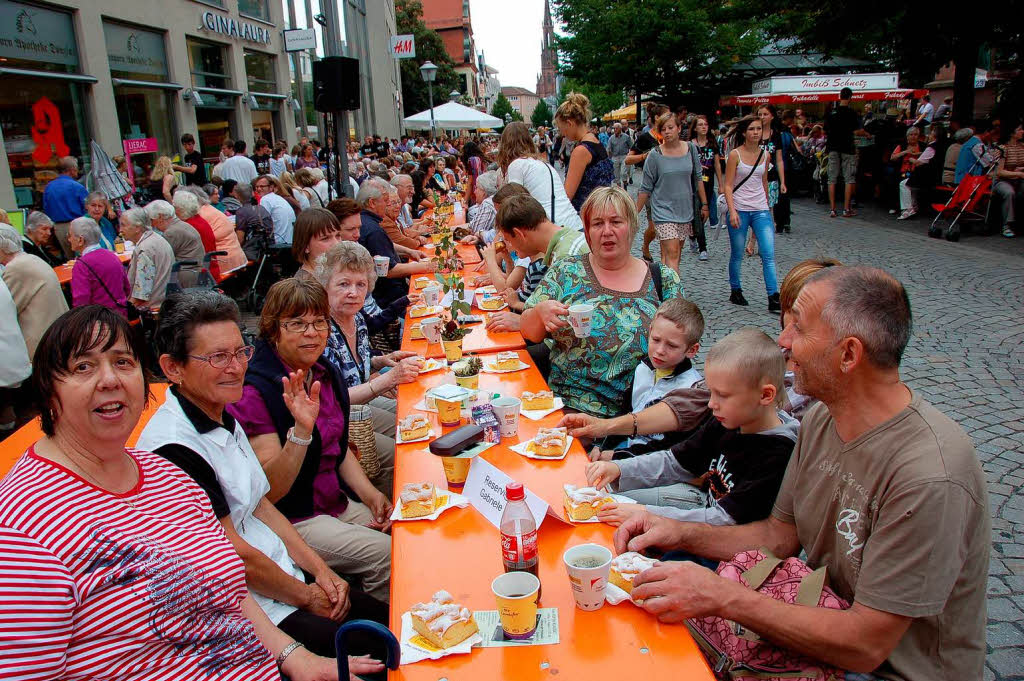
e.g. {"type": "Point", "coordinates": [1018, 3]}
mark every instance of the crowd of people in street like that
{"type": "Point", "coordinates": [244, 510]}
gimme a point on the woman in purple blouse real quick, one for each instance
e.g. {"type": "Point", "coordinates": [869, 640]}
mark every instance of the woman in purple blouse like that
{"type": "Point", "coordinates": [98, 276]}
{"type": "Point", "coordinates": [318, 485]}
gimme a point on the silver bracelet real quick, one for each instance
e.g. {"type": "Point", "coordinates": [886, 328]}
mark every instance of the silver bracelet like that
{"type": "Point", "coordinates": [295, 439]}
{"type": "Point", "coordinates": [288, 650]}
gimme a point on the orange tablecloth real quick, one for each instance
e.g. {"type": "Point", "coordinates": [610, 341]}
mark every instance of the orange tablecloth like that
{"type": "Point", "coordinates": [467, 253]}
{"type": "Point", "coordinates": [64, 272]}
{"type": "Point", "coordinates": [20, 440]}
{"type": "Point", "coordinates": [479, 340]}
{"type": "Point", "coordinates": [459, 552]}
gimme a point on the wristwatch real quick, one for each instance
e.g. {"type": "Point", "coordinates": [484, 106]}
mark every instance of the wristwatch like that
{"type": "Point", "coordinates": [293, 438]}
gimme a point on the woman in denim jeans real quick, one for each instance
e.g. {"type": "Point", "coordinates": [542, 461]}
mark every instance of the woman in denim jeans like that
{"type": "Point", "coordinates": [746, 194]}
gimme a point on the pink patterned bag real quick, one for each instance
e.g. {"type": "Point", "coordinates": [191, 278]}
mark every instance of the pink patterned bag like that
{"type": "Point", "coordinates": [734, 652]}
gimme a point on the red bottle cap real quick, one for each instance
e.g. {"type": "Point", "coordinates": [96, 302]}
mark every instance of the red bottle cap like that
{"type": "Point", "coordinates": [514, 491]}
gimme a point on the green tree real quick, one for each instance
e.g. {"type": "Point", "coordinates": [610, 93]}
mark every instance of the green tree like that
{"type": "Point", "coordinates": [429, 47]}
{"type": "Point", "coordinates": [894, 38]}
{"type": "Point", "coordinates": [667, 48]}
{"type": "Point", "coordinates": [502, 106]}
{"type": "Point", "coordinates": [541, 115]}
{"type": "Point", "coordinates": [602, 100]}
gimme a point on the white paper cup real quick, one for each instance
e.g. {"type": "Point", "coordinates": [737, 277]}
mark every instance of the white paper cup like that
{"type": "Point", "coordinates": [588, 566]}
{"type": "Point", "coordinates": [381, 263]}
{"type": "Point", "coordinates": [431, 327]}
{"type": "Point", "coordinates": [580, 318]}
{"type": "Point", "coordinates": [431, 295]}
{"type": "Point", "coordinates": [507, 411]}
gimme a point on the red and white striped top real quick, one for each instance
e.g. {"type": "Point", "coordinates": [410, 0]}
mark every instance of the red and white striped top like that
{"type": "Point", "coordinates": [142, 586]}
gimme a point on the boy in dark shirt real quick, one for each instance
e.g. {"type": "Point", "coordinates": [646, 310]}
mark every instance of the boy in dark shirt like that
{"type": "Point", "coordinates": [192, 162]}
{"type": "Point", "coordinates": [730, 471]}
{"type": "Point", "coordinates": [261, 159]}
{"type": "Point", "coordinates": [841, 125]}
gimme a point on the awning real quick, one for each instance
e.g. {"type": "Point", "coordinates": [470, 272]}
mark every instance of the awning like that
{"type": "Point", "coordinates": [627, 112]}
{"type": "Point", "coordinates": [808, 97]}
{"type": "Point", "coordinates": [452, 116]}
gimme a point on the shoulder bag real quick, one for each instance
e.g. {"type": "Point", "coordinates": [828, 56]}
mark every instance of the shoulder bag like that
{"type": "Point", "coordinates": [722, 204]}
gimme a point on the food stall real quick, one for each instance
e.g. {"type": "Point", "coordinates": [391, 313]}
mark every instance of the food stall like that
{"type": "Point", "coordinates": [813, 93]}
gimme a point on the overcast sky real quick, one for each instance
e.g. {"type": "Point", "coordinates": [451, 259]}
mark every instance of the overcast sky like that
{"type": "Point", "coordinates": [509, 35]}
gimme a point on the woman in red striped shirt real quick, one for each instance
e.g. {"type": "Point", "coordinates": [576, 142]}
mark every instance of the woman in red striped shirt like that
{"type": "Point", "coordinates": [112, 562]}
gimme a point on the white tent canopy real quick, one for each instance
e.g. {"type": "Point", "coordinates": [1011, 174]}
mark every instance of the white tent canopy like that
{"type": "Point", "coordinates": [452, 116]}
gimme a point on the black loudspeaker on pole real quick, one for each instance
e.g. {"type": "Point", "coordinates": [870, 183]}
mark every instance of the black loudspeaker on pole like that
{"type": "Point", "coordinates": [336, 84]}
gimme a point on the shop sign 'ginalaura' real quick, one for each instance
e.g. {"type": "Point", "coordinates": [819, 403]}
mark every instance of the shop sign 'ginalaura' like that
{"type": "Point", "coordinates": [234, 28]}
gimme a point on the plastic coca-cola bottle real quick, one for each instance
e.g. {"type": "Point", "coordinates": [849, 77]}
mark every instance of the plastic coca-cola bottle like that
{"type": "Point", "coordinates": [518, 532]}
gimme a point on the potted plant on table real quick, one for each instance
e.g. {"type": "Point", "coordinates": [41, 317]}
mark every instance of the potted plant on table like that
{"type": "Point", "coordinates": [467, 372]}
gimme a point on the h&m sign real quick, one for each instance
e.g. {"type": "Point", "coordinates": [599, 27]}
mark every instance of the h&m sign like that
{"type": "Point", "coordinates": [234, 28]}
{"type": "Point", "coordinates": [403, 46]}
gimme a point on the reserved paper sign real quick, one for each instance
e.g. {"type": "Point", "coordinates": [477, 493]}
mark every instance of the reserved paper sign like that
{"type": "Point", "coordinates": [485, 488]}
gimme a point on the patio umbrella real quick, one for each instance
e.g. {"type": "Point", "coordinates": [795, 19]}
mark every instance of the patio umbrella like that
{"type": "Point", "coordinates": [105, 177]}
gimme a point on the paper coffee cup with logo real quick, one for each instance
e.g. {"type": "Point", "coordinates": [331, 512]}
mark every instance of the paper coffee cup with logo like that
{"type": "Point", "coordinates": [431, 328]}
{"type": "Point", "coordinates": [431, 295]}
{"type": "Point", "coordinates": [507, 411]}
{"type": "Point", "coordinates": [581, 316]}
{"type": "Point", "coordinates": [381, 263]}
{"type": "Point", "coordinates": [588, 566]}
{"type": "Point", "coordinates": [516, 595]}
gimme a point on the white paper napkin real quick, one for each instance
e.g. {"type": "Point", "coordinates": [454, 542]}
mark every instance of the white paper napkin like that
{"type": "Point", "coordinates": [431, 311]}
{"type": "Point", "coordinates": [492, 368]}
{"type": "Point", "coordinates": [426, 437]}
{"type": "Point", "coordinates": [538, 414]}
{"type": "Point", "coordinates": [521, 449]}
{"type": "Point", "coordinates": [412, 653]}
{"type": "Point", "coordinates": [619, 499]}
{"type": "Point", "coordinates": [434, 365]}
{"type": "Point", "coordinates": [612, 594]}
{"type": "Point", "coordinates": [453, 501]}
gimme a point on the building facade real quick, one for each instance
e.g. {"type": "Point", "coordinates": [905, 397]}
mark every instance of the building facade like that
{"type": "Point", "coordinates": [369, 25]}
{"type": "Point", "coordinates": [522, 100]}
{"type": "Point", "coordinates": [121, 70]}
{"type": "Point", "coordinates": [453, 22]}
{"type": "Point", "coordinates": [547, 81]}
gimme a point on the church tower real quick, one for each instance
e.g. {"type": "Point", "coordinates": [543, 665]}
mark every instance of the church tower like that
{"type": "Point", "coordinates": [547, 82]}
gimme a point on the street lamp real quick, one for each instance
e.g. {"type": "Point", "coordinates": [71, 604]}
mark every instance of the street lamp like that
{"type": "Point", "coordinates": [429, 73]}
{"type": "Point", "coordinates": [508, 118]}
{"type": "Point", "coordinates": [453, 95]}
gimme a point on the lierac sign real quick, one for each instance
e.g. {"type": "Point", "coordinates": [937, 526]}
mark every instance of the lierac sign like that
{"type": "Point", "coordinates": [233, 28]}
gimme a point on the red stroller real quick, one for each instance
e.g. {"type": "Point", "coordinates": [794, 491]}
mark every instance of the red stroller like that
{"type": "Point", "coordinates": [966, 199]}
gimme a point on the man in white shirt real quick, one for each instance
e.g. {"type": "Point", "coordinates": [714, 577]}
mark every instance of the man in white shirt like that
{"type": "Point", "coordinates": [925, 113]}
{"type": "Point", "coordinates": [239, 167]}
{"type": "Point", "coordinates": [281, 212]}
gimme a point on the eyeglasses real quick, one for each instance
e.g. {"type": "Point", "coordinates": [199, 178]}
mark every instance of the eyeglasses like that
{"type": "Point", "coordinates": [262, 186]}
{"type": "Point", "coordinates": [220, 360]}
{"type": "Point", "coordinates": [299, 326]}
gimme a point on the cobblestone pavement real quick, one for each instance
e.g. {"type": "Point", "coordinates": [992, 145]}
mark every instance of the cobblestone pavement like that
{"type": "Point", "coordinates": [965, 357]}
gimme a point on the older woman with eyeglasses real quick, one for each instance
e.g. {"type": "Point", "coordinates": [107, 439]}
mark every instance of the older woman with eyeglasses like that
{"type": "Point", "coordinates": [130, 542]}
{"type": "Point", "coordinates": [320, 485]}
{"type": "Point", "coordinates": [150, 269]}
{"type": "Point", "coordinates": [347, 272]}
{"type": "Point", "coordinates": [203, 355]}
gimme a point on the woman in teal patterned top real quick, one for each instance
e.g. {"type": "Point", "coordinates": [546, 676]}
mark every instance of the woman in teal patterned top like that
{"type": "Point", "coordinates": [593, 374]}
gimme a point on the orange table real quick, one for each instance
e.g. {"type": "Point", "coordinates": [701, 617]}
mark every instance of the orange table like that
{"type": "Point", "coordinates": [467, 253]}
{"type": "Point", "coordinates": [459, 552]}
{"type": "Point", "coordinates": [479, 340]}
{"type": "Point", "coordinates": [64, 272]}
{"type": "Point", "coordinates": [17, 442]}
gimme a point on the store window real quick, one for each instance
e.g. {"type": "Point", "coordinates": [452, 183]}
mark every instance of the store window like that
{"type": "Point", "coordinates": [143, 95]}
{"type": "Point", "coordinates": [215, 116]}
{"type": "Point", "coordinates": [261, 78]}
{"type": "Point", "coordinates": [259, 9]}
{"type": "Point", "coordinates": [208, 64]}
{"type": "Point", "coordinates": [42, 118]}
